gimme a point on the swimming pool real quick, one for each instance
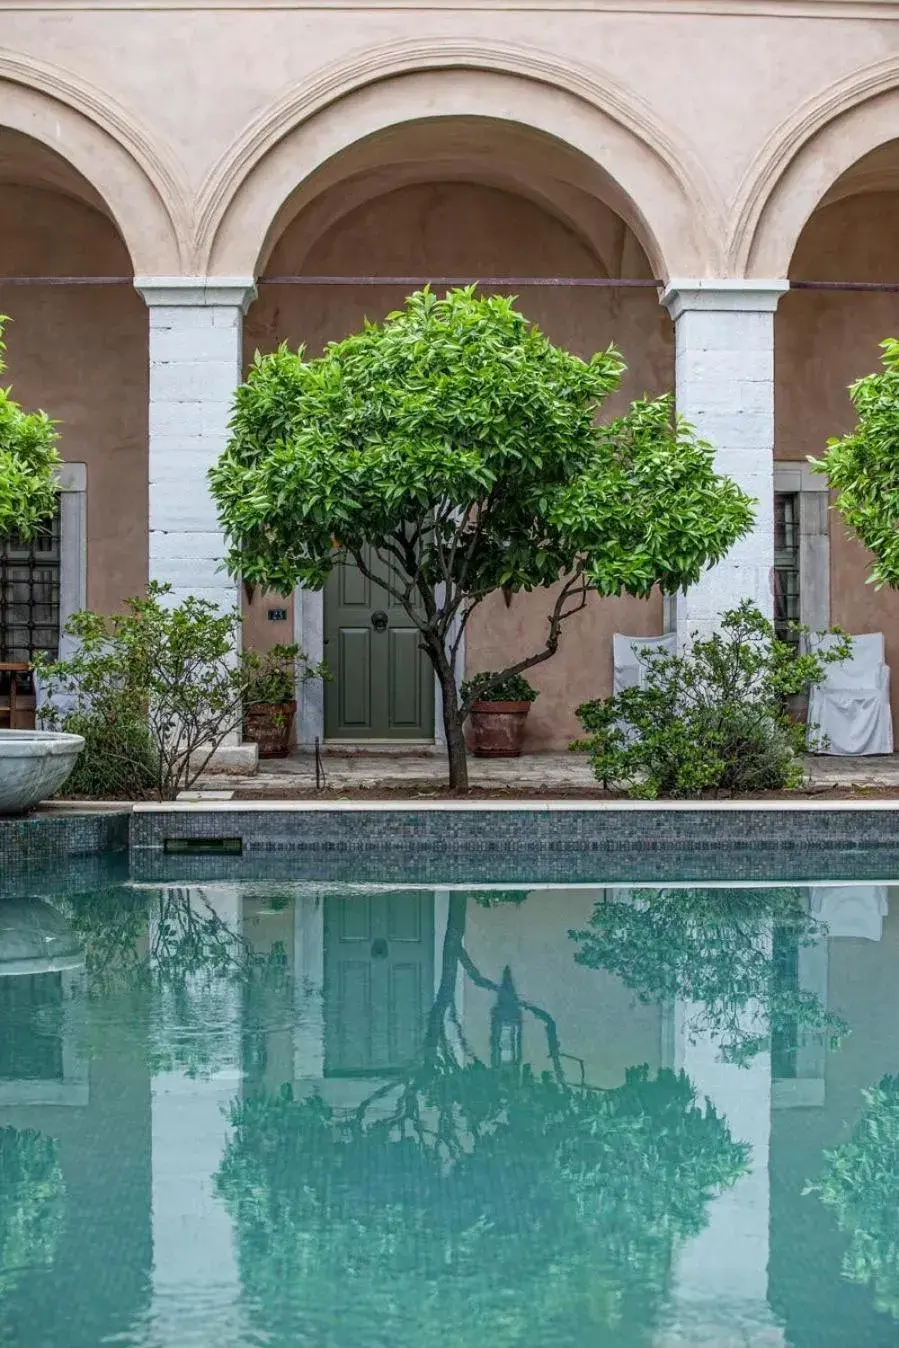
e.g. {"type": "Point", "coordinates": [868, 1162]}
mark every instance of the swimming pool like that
{"type": "Point", "coordinates": [339, 1113]}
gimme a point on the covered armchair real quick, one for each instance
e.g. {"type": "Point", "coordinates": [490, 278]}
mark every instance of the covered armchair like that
{"type": "Point", "coordinates": [849, 710]}
{"type": "Point", "coordinates": [855, 911]}
{"type": "Point", "coordinates": [629, 657]}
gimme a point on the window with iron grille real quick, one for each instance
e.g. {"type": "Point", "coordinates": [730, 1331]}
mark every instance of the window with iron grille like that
{"type": "Point", "coordinates": [786, 562]}
{"type": "Point", "coordinates": [29, 595]}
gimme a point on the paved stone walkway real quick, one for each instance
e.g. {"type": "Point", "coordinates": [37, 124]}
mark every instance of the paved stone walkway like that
{"type": "Point", "coordinates": [532, 772]}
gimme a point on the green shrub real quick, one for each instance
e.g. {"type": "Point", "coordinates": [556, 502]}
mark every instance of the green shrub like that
{"type": "Point", "coordinates": [29, 464]}
{"type": "Point", "coordinates": [712, 718]}
{"type": "Point", "coordinates": [158, 689]}
{"type": "Point", "coordinates": [490, 687]}
{"type": "Point", "coordinates": [117, 761]}
{"type": "Point", "coordinates": [32, 1205]}
{"type": "Point", "coordinates": [860, 1184]}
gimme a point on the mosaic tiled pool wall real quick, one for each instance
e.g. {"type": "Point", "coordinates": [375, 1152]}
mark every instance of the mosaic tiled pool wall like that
{"type": "Point", "coordinates": [42, 839]}
{"type": "Point", "coordinates": [455, 846]}
{"type": "Point", "coordinates": [512, 869]}
{"type": "Point", "coordinates": [493, 845]}
{"type": "Point", "coordinates": [62, 852]}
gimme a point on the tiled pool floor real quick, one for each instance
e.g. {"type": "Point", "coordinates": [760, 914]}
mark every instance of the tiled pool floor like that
{"type": "Point", "coordinates": [358, 1116]}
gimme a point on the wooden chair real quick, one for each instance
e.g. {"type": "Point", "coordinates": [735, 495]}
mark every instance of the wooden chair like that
{"type": "Point", "coordinates": [14, 715]}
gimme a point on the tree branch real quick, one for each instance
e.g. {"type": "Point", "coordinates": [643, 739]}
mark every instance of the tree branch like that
{"type": "Point", "coordinates": [578, 585]}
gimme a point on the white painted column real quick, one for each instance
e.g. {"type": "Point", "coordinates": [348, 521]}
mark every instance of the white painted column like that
{"type": "Point", "coordinates": [196, 1280]}
{"type": "Point", "coordinates": [724, 381]}
{"type": "Point", "coordinates": [196, 363]}
{"type": "Point", "coordinates": [718, 1294]}
{"type": "Point", "coordinates": [309, 990]}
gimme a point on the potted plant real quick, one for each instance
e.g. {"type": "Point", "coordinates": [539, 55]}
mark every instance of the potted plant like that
{"type": "Point", "coordinates": [270, 702]}
{"type": "Point", "coordinates": [498, 713]}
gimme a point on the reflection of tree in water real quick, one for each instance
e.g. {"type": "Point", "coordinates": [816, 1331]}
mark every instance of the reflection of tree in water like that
{"type": "Point", "coordinates": [860, 1182]}
{"type": "Point", "coordinates": [165, 967]}
{"type": "Point", "coordinates": [712, 948]}
{"type": "Point", "coordinates": [32, 1204]}
{"type": "Point", "coordinates": [471, 1203]}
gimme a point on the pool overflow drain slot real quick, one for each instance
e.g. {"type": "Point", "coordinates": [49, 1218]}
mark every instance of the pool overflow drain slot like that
{"type": "Point", "coordinates": [203, 847]}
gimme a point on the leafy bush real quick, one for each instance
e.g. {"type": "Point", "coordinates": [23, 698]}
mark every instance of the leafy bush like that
{"type": "Point", "coordinates": [712, 950]}
{"type": "Point", "coordinates": [158, 688]}
{"type": "Point", "coordinates": [712, 718]}
{"type": "Point", "coordinates": [453, 451]}
{"type": "Point", "coordinates": [862, 468]}
{"type": "Point", "coordinates": [860, 1183]}
{"type": "Point", "coordinates": [582, 1193]}
{"type": "Point", "coordinates": [32, 1204]}
{"type": "Point", "coordinates": [490, 687]}
{"type": "Point", "coordinates": [272, 682]}
{"type": "Point", "coordinates": [117, 761]}
{"type": "Point", "coordinates": [29, 488]}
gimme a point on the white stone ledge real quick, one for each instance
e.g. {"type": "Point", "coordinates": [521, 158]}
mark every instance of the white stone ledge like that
{"type": "Point", "coordinates": [521, 807]}
{"type": "Point", "coordinates": [236, 760]}
{"type": "Point", "coordinates": [734, 428]}
{"type": "Point", "coordinates": [185, 456]}
{"type": "Point", "coordinates": [193, 573]}
{"type": "Point", "coordinates": [224, 598]}
{"type": "Point", "coordinates": [177, 344]}
{"type": "Point", "coordinates": [168, 417]}
{"type": "Point", "coordinates": [721, 295]}
{"type": "Point", "coordinates": [168, 545]}
{"type": "Point", "coordinates": [185, 292]}
{"type": "Point", "coordinates": [175, 508]}
{"type": "Point", "coordinates": [190, 381]}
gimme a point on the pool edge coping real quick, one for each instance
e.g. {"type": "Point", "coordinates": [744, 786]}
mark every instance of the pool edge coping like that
{"type": "Point", "coordinates": [508, 806]}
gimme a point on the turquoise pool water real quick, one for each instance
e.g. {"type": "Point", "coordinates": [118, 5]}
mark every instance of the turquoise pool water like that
{"type": "Point", "coordinates": [357, 1116]}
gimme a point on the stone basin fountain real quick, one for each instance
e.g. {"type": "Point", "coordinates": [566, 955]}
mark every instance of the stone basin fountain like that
{"type": "Point", "coordinates": [33, 766]}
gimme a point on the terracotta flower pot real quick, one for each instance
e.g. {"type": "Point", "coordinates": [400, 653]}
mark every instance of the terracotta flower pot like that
{"type": "Point", "coordinates": [497, 728]}
{"type": "Point", "coordinates": [268, 724]}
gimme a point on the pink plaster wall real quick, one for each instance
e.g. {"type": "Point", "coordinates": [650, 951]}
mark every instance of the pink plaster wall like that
{"type": "Point", "coordinates": [80, 353]}
{"type": "Point", "coordinates": [458, 228]}
{"type": "Point", "coordinates": [824, 341]}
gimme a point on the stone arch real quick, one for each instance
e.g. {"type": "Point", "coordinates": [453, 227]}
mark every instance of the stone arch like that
{"type": "Point", "coordinates": [315, 220]}
{"type": "Point", "coordinates": [100, 141]}
{"type": "Point", "coordinates": [800, 163]}
{"type": "Point", "coordinates": [656, 186]}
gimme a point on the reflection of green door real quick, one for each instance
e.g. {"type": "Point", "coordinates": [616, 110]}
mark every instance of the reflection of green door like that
{"type": "Point", "coordinates": [379, 980]}
{"type": "Point", "coordinates": [381, 686]}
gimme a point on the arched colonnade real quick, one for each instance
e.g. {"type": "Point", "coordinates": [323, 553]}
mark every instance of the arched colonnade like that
{"type": "Point", "coordinates": [428, 160]}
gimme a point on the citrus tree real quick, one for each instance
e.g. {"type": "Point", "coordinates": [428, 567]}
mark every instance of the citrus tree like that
{"type": "Point", "coordinates": [713, 949]}
{"type": "Point", "coordinates": [467, 1201]}
{"type": "Point", "coordinates": [28, 464]}
{"type": "Point", "coordinates": [452, 451]}
{"type": "Point", "coordinates": [862, 467]}
{"type": "Point", "coordinates": [860, 1184]}
{"type": "Point", "coordinates": [32, 1204]}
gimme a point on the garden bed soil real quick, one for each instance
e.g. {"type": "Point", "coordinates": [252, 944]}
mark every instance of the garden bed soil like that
{"type": "Point", "coordinates": [823, 794]}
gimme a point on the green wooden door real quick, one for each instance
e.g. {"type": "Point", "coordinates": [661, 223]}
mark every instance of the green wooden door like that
{"type": "Point", "coordinates": [379, 980]}
{"type": "Point", "coordinates": [382, 686]}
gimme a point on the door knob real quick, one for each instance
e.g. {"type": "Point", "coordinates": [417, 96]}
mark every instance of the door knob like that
{"type": "Point", "coordinates": [379, 620]}
{"type": "Point", "coordinates": [379, 949]}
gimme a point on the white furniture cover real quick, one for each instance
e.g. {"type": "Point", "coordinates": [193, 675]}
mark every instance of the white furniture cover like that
{"type": "Point", "coordinates": [628, 657]}
{"type": "Point", "coordinates": [851, 705]}
{"type": "Point", "coordinates": [850, 910]}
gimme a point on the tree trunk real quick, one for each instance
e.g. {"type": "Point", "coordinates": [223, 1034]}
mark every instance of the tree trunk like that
{"type": "Point", "coordinates": [456, 750]}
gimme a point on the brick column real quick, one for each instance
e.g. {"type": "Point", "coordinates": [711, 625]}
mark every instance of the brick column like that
{"type": "Point", "coordinates": [724, 382]}
{"type": "Point", "coordinates": [195, 365]}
